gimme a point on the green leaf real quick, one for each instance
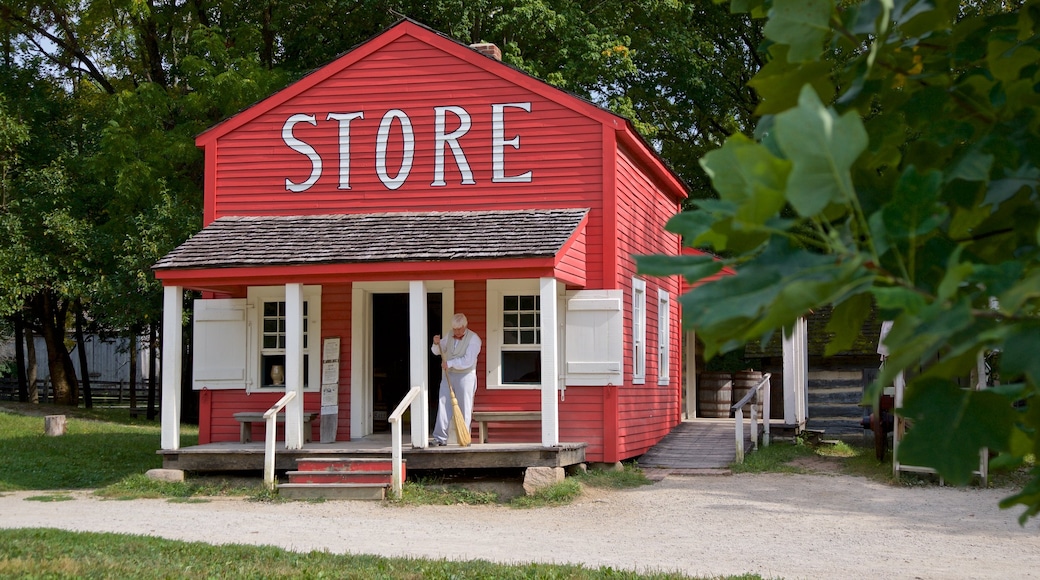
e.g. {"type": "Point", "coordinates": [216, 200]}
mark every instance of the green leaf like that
{"type": "Point", "coordinates": [914, 210]}
{"type": "Point", "coordinates": [822, 148]}
{"type": "Point", "coordinates": [846, 323]}
{"type": "Point", "coordinates": [956, 273]}
{"type": "Point", "coordinates": [950, 425]}
{"type": "Point", "coordinates": [801, 24]}
{"type": "Point", "coordinates": [747, 174]}
{"type": "Point", "coordinates": [1021, 350]}
{"type": "Point", "coordinates": [898, 299]}
{"type": "Point", "coordinates": [693, 268]}
{"type": "Point", "coordinates": [779, 81]}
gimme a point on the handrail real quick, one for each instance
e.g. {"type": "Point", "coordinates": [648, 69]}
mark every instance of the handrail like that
{"type": "Point", "coordinates": [395, 437]}
{"type": "Point", "coordinates": [760, 395]}
{"type": "Point", "coordinates": [270, 416]}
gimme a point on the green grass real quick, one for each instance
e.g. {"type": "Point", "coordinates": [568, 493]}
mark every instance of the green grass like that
{"type": "Point", "coordinates": [841, 457]}
{"type": "Point", "coordinates": [48, 553]}
{"type": "Point", "coordinates": [92, 453]}
{"type": "Point", "coordinates": [630, 476]}
{"type": "Point", "coordinates": [561, 493]}
{"type": "Point", "coordinates": [431, 491]}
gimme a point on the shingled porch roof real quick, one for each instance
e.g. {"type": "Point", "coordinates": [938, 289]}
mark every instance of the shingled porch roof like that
{"type": "Point", "coordinates": [253, 241]}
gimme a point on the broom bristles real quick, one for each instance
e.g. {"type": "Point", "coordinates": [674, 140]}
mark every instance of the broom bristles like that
{"type": "Point", "coordinates": [461, 428]}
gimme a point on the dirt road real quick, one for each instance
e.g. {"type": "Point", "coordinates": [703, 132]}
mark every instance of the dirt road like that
{"type": "Point", "coordinates": [778, 526]}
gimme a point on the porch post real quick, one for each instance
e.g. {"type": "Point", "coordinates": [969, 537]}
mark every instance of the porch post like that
{"type": "Point", "coordinates": [294, 365]}
{"type": "Point", "coordinates": [690, 379]}
{"type": "Point", "coordinates": [796, 362]}
{"type": "Point", "coordinates": [418, 349]}
{"type": "Point", "coordinates": [171, 367]}
{"type": "Point", "coordinates": [550, 363]}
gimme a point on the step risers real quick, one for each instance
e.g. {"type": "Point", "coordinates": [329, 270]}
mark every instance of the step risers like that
{"type": "Point", "coordinates": [343, 491]}
{"type": "Point", "coordinates": [380, 477]}
{"type": "Point", "coordinates": [344, 464]}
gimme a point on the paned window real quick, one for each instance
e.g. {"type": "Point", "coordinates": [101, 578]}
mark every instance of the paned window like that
{"type": "Point", "coordinates": [272, 345]}
{"type": "Point", "coordinates": [638, 331]}
{"type": "Point", "coordinates": [664, 323]}
{"type": "Point", "coordinates": [521, 350]}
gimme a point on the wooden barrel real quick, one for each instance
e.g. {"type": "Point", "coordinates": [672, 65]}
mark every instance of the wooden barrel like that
{"type": "Point", "coordinates": [744, 381]}
{"type": "Point", "coordinates": [714, 394]}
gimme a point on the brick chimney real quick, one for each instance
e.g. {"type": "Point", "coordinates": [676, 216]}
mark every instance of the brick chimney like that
{"type": "Point", "coordinates": [488, 49]}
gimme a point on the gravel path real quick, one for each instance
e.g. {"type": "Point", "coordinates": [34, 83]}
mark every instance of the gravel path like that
{"type": "Point", "coordinates": [775, 525]}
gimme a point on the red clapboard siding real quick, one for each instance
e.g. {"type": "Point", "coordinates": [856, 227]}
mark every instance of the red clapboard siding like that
{"type": "Point", "coordinates": [646, 412]}
{"type": "Point", "coordinates": [560, 148]}
{"type": "Point", "coordinates": [225, 404]}
{"type": "Point", "coordinates": [335, 322]}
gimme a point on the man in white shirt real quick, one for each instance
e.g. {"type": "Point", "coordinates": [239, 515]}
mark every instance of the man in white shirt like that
{"type": "Point", "coordinates": [459, 360]}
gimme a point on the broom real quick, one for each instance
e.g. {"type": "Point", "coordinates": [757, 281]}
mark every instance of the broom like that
{"type": "Point", "coordinates": [461, 428]}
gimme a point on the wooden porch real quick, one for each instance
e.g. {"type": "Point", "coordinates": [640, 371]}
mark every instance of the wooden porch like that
{"type": "Point", "coordinates": [235, 456]}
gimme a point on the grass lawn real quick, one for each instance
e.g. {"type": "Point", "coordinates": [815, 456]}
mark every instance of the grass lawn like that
{"type": "Point", "coordinates": [108, 449]}
{"type": "Point", "coordinates": [101, 447]}
{"type": "Point", "coordinates": [48, 553]}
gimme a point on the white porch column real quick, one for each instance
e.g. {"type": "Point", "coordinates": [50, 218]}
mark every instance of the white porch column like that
{"type": "Point", "coordinates": [171, 367]}
{"type": "Point", "coordinates": [418, 361]}
{"type": "Point", "coordinates": [690, 378]}
{"type": "Point", "coordinates": [294, 365]}
{"type": "Point", "coordinates": [550, 363]}
{"type": "Point", "coordinates": [796, 374]}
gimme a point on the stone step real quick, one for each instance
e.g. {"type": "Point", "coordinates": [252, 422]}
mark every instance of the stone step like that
{"type": "Point", "coordinates": [343, 491]}
{"type": "Point", "coordinates": [377, 477]}
{"type": "Point", "coordinates": [834, 411]}
{"type": "Point", "coordinates": [836, 396]}
{"type": "Point", "coordinates": [836, 426]}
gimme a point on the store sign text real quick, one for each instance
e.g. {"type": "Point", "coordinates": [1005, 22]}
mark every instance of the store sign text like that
{"type": "Point", "coordinates": [396, 119]}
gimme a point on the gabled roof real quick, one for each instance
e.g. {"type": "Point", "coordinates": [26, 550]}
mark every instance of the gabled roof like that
{"type": "Point", "coordinates": [233, 242]}
{"type": "Point", "coordinates": [406, 27]}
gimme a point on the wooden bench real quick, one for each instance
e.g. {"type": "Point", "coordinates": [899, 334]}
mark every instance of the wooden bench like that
{"type": "Point", "coordinates": [246, 420]}
{"type": "Point", "coordinates": [484, 417]}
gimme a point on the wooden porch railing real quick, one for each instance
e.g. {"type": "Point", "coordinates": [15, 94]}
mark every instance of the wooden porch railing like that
{"type": "Point", "coordinates": [395, 437]}
{"type": "Point", "coordinates": [758, 394]}
{"type": "Point", "coordinates": [272, 431]}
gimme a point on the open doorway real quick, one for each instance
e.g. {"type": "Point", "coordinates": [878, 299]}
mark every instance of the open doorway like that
{"type": "Point", "coordinates": [391, 370]}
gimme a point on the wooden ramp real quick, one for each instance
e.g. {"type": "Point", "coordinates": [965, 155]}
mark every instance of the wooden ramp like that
{"type": "Point", "coordinates": [700, 444]}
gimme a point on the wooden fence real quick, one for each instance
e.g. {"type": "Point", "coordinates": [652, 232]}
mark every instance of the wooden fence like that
{"type": "Point", "coordinates": [105, 394]}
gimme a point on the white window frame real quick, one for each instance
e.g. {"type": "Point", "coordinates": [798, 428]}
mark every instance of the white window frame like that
{"type": "Point", "coordinates": [638, 331]}
{"type": "Point", "coordinates": [493, 343]}
{"type": "Point", "coordinates": [257, 296]}
{"type": "Point", "coordinates": [664, 325]}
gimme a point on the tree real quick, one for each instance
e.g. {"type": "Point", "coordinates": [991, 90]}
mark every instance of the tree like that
{"type": "Point", "coordinates": [130, 84]}
{"type": "Point", "coordinates": [896, 161]}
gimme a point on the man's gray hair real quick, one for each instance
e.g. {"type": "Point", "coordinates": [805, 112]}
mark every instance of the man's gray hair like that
{"type": "Point", "coordinates": [459, 321]}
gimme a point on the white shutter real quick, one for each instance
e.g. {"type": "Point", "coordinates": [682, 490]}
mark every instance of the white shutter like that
{"type": "Point", "coordinates": [595, 338]}
{"type": "Point", "coordinates": [221, 342]}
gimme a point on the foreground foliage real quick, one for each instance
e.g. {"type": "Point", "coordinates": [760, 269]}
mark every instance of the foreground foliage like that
{"type": "Point", "coordinates": [896, 165]}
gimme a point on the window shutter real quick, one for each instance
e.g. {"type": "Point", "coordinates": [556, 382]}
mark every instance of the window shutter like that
{"type": "Point", "coordinates": [221, 340]}
{"type": "Point", "coordinates": [595, 338]}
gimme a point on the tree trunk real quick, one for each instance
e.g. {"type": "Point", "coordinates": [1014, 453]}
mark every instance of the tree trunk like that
{"type": "Point", "coordinates": [19, 357]}
{"type": "Point", "coordinates": [152, 332]}
{"type": "Point", "coordinates": [84, 369]}
{"type": "Point", "coordinates": [133, 370]}
{"type": "Point", "coordinates": [32, 367]}
{"type": "Point", "coordinates": [64, 386]}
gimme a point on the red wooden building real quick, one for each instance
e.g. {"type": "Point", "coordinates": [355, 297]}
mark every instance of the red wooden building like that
{"type": "Point", "coordinates": [348, 216]}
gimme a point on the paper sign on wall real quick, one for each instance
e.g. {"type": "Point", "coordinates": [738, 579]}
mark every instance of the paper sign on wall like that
{"type": "Point", "coordinates": [329, 389]}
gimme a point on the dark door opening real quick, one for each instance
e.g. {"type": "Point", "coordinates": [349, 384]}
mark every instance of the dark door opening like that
{"type": "Point", "coordinates": [391, 370]}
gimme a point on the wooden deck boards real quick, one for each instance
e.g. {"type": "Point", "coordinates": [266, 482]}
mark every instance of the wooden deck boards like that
{"type": "Point", "coordinates": [236, 456]}
{"type": "Point", "coordinates": [698, 444]}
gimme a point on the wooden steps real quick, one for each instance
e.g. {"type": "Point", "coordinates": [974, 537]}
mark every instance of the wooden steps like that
{"type": "Point", "coordinates": [339, 478]}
